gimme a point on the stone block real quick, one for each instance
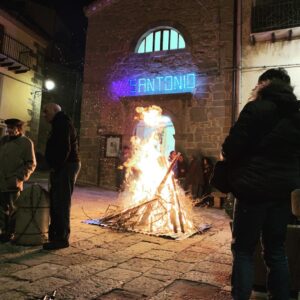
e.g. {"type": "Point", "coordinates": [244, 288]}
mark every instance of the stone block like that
{"type": "Point", "coordinates": [119, 274]}
{"type": "Point", "coordinates": [144, 285]}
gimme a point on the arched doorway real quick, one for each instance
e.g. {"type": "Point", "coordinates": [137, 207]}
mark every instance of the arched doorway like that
{"type": "Point", "coordinates": [167, 134]}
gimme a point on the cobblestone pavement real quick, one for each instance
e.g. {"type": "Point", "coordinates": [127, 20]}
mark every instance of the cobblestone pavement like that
{"type": "Point", "coordinates": [105, 264]}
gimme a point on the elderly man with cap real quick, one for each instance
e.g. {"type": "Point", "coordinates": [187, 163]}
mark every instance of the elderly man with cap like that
{"type": "Point", "coordinates": [17, 163]}
{"type": "Point", "coordinates": [62, 157]}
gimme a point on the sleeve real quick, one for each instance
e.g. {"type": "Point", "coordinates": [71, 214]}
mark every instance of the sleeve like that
{"type": "Point", "coordinates": [243, 134]}
{"type": "Point", "coordinates": [61, 133]}
{"type": "Point", "coordinates": [29, 161]}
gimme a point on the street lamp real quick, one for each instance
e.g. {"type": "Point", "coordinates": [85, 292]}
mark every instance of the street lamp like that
{"type": "Point", "coordinates": [49, 84]}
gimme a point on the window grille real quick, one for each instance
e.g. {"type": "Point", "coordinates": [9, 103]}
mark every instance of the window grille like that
{"type": "Point", "coordinates": [273, 15]}
{"type": "Point", "coordinates": [160, 39]}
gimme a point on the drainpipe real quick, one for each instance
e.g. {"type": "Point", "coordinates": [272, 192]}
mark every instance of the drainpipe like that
{"type": "Point", "coordinates": [236, 58]}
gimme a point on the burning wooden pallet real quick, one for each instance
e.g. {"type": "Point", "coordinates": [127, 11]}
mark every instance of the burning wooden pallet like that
{"type": "Point", "coordinates": [151, 215]}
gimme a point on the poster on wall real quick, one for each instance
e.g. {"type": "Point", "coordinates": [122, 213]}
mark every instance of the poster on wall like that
{"type": "Point", "coordinates": [112, 145]}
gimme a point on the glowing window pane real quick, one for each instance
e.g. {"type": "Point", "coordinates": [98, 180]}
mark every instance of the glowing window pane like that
{"type": "Point", "coordinates": [149, 43]}
{"type": "Point", "coordinates": [142, 47]}
{"type": "Point", "coordinates": [181, 42]}
{"type": "Point", "coordinates": [160, 39]}
{"type": "Point", "coordinates": [174, 40]}
{"type": "Point", "coordinates": [166, 40]}
{"type": "Point", "coordinates": [157, 41]}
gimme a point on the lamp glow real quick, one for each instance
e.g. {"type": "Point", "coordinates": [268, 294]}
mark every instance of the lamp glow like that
{"type": "Point", "coordinates": [49, 84]}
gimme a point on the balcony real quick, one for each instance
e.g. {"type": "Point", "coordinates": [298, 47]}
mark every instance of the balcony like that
{"type": "Point", "coordinates": [280, 15]}
{"type": "Point", "coordinates": [14, 56]}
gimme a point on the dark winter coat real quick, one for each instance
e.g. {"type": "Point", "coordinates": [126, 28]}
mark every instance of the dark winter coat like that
{"type": "Point", "coordinates": [194, 174]}
{"type": "Point", "coordinates": [62, 144]}
{"type": "Point", "coordinates": [263, 147]}
{"type": "Point", "coordinates": [182, 169]}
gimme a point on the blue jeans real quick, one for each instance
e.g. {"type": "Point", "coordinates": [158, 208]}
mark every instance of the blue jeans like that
{"type": "Point", "coordinates": [62, 183]}
{"type": "Point", "coordinates": [251, 222]}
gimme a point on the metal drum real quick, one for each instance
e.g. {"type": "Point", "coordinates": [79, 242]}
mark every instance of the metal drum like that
{"type": "Point", "coordinates": [32, 216]}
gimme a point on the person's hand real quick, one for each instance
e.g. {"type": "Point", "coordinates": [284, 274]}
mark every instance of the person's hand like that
{"type": "Point", "coordinates": [221, 157]}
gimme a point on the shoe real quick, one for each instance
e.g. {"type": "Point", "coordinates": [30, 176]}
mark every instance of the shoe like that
{"type": "Point", "coordinates": [54, 245]}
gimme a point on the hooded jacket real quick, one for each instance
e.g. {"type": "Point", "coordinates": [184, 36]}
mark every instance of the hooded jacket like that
{"type": "Point", "coordinates": [263, 147]}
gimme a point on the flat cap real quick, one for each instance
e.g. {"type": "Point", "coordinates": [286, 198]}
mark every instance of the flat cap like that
{"type": "Point", "coordinates": [14, 122]}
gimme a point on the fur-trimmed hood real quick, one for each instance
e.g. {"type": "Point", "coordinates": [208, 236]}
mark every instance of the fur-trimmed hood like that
{"type": "Point", "coordinates": [282, 95]}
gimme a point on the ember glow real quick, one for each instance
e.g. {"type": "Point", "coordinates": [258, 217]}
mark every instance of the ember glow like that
{"type": "Point", "coordinates": [153, 202]}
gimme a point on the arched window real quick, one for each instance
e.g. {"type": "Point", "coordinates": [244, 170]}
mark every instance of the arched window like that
{"type": "Point", "coordinates": [160, 39]}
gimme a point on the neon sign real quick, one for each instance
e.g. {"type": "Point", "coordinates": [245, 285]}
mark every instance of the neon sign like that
{"type": "Point", "coordinates": [153, 85]}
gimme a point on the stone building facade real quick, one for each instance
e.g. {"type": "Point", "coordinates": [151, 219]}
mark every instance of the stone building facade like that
{"type": "Point", "coordinates": [201, 116]}
{"type": "Point", "coordinates": [270, 31]}
{"type": "Point", "coordinates": [22, 50]}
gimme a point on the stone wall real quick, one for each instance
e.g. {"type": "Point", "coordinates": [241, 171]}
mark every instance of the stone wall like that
{"type": "Point", "coordinates": [201, 119]}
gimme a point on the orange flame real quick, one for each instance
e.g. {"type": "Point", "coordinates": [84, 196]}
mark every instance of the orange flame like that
{"type": "Point", "coordinates": [149, 180]}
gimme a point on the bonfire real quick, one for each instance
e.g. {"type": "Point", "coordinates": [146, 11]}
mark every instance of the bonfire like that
{"type": "Point", "coordinates": [152, 200]}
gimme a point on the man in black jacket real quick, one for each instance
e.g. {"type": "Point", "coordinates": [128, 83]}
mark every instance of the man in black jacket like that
{"type": "Point", "coordinates": [263, 152]}
{"type": "Point", "coordinates": [62, 157]}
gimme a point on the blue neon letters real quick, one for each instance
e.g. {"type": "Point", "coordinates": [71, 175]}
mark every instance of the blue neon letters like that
{"type": "Point", "coordinates": [169, 84]}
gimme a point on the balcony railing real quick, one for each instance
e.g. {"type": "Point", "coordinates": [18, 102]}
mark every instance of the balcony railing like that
{"type": "Point", "coordinates": [14, 55]}
{"type": "Point", "coordinates": [280, 15]}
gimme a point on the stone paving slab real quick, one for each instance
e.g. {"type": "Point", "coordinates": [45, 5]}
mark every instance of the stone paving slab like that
{"type": "Point", "coordinates": [211, 267]}
{"type": "Point", "coordinates": [119, 294]}
{"type": "Point", "coordinates": [39, 271]}
{"type": "Point", "coordinates": [8, 268]}
{"type": "Point", "coordinates": [219, 280]}
{"type": "Point", "coordinates": [77, 272]}
{"type": "Point", "coordinates": [71, 259]}
{"type": "Point", "coordinates": [190, 256]}
{"type": "Point", "coordinates": [174, 265]}
{"type": "Point", "coordinates": [138, 264]}
{"type": "Point", "coordinates": [106, 264]}
{"type": "Point", "coordinates": [145, 286]}
{"type": "Point", "coordinates": [184, 289]}
{"type": "Point", "coordinates": [9, 283]}
{"type": "Point", "coordinates": [163, 274]}
{"type": "Point", "coordinates": [121, 275]}
{"type": "Point", "coordinates": [220, 258]}
{"type": "Point", "coordinates": [37, 289]}
{"type": "Point", "coordinates": [87, 288]}
{"type": "Point", "coordinates": [13, 295]}
{"type": "Point", "coordinates": [179, 246]}
{"type": "Point", "coordinates": [160, 255]}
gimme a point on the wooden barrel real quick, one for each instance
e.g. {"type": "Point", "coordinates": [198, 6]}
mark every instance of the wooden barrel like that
{"type": "Point", "coordinates": [32, 216]}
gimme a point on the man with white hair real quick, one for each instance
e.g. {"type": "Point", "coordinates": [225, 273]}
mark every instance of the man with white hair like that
{"type": "Point", "coordinates": [62, 156]}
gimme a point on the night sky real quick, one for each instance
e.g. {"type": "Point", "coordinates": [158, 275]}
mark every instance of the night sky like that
{"type": "Point", "coordinates": [71, 12]}
{"type": "Point", "coordinates": [72, 15]}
